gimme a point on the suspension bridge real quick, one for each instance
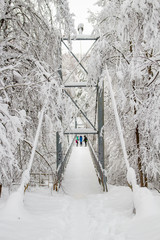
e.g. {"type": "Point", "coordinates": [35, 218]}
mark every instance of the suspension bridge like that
{"type": "Point", "coordinates": [76, 215]}
{"type": "Point", "coordinates": [89, 128]}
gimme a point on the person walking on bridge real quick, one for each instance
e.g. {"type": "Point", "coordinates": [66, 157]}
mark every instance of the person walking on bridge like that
{"type": "Point", "coordinates": [80, 139]}
{"type": "Point", "coordinates": [85, 140]}
{"type": "Point", "coordinates": [77, 140]}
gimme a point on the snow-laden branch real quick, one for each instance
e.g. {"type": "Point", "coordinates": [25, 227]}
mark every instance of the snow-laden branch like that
{"type": "Point", "coordinates": [117, 119]}
{"type": "Point", "coordinates": [40, 154]}
{"type": "Point", "coordinates": [142, 198]}
{"type": "Point", "coordinates": [121, 54]}
{"type": "Point", "coordinates": [153, 79]}
{"type": "Point", "coordinates": [26, 173]}
{"type": "Point", "coordinates": [9, 67]}
{"type": "Point", "coordinates": [19, 85]}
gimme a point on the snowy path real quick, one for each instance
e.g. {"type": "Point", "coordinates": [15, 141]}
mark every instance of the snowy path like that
{"type": "Point", "coordinates": [80, 212]}
{"type": "Point", "coordinates": [80, 177]}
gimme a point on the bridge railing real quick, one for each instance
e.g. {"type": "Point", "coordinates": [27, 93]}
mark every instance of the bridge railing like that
{"type": "Point", "coordinates": [62, 166]}
{"type": "Point", "coordinates": [101, 173]}
{"type": "Point", "coordinates": [41, 179]}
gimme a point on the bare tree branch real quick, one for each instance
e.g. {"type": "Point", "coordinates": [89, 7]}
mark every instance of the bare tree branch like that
{"type": "Point", "coordinates": [121, 54]}
{"type": "Point", "coordinates": [152, 80]}
{"type": "Point", "coordinates": [40, 155]}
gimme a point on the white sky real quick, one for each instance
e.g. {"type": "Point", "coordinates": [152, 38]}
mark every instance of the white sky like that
{"type": "Point", "coordinates": [80, 9]}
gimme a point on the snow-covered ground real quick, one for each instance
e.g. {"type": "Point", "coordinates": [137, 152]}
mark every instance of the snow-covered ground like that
{"type": "Point", "coordinates": [80, 211]}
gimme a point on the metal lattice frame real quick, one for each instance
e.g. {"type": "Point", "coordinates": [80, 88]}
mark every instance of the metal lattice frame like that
{"type": "Point", "coordinates": [99, 103]}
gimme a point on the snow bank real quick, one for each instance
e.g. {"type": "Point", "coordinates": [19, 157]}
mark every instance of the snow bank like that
{"type": "Point", "coordinates": [145, 202]}
{"type": "Point", "coordinates": [62, 217]}
{"type": "Point", "coordinates": [146, 223]}
{"type": "Point", "coordinates": [131, 177]}
{"type": "Point", "coordinates": [90, 217]}
{"type": "Point", "coordinates": [14, 206]}
{"type": "Point", "coordinates": [147, 228]}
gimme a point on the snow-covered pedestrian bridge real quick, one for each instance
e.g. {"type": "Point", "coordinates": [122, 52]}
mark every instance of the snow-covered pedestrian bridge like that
{"type": "Point", "coordinates": [80, 177]}
{"type": "Point", "coordinates": [82, 169]}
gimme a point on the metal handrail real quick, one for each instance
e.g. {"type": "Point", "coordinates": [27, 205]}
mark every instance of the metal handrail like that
{"type": "Point", "coordinates": [44, 179]}
{"type": "Point", "coordinates": [62, 166]}
{"type": "Point", "coordinates": [101, 173]}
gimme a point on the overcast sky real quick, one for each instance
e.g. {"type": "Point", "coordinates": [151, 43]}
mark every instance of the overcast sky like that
{"type": "Point", "coordinates": [80, 9]}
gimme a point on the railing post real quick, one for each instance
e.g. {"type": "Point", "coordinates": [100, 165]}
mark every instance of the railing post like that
{"type": "Point", "coordinates": [58, 149]}
{"type": "Point", "coordinates": [61, 167]}
{"type": "Point", "coordinates": [99, 170]}
{"type": "Point", "coordinates": [75, 122]}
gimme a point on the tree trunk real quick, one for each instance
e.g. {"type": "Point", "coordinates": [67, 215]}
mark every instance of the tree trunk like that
{"type": "Point", "coordinates": [139, 162]}
{"type": "Point", "coordinates": [0, 189]}
{"type": "Point", "coordinates": [145, 180]}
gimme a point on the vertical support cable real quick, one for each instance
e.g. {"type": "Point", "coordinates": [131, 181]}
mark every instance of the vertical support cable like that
{"type": "Point", "coordinates": [101, 124]}
{"type": "Point", "coordinates": [100, 133]}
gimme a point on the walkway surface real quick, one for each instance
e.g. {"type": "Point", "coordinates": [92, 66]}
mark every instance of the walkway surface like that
{"type": "Point", "coordinates": [80, 177]}
{"type": "Point", "coordinates": [80, 211]}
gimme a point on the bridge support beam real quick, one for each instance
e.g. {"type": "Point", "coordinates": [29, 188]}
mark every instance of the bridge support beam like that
{"type": "Point", "coordinates": [100, 120]}
{"type": "Point", "coordinates": [100, 132]}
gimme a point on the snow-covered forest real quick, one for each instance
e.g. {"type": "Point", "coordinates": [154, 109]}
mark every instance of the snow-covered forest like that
{"type": "Point", "coordinates": [30, 60]}
{"type": "Point", "coordinates": [34, 107]}
{"type": "Point", "coordinates": [129, 45]}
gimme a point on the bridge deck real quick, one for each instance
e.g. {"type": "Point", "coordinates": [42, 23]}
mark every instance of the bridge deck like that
{"type": "Point", "coordinates": [80, 177]}
{"type": "Point", "coordinates": [81, 131]}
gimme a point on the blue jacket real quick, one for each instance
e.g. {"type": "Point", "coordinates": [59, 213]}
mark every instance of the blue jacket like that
{"type": "Point", "coordinates": [80, 138]}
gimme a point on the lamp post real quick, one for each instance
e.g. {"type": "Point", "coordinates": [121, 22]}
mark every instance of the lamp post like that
{"type": "Point", "coordinates": [80, 30]}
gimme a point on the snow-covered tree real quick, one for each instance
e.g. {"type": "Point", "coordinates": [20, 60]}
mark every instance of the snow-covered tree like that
{"type": "Point", "coordinates": [129, 35]}
{"type": "Point", "coordinates": [29, 73]}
